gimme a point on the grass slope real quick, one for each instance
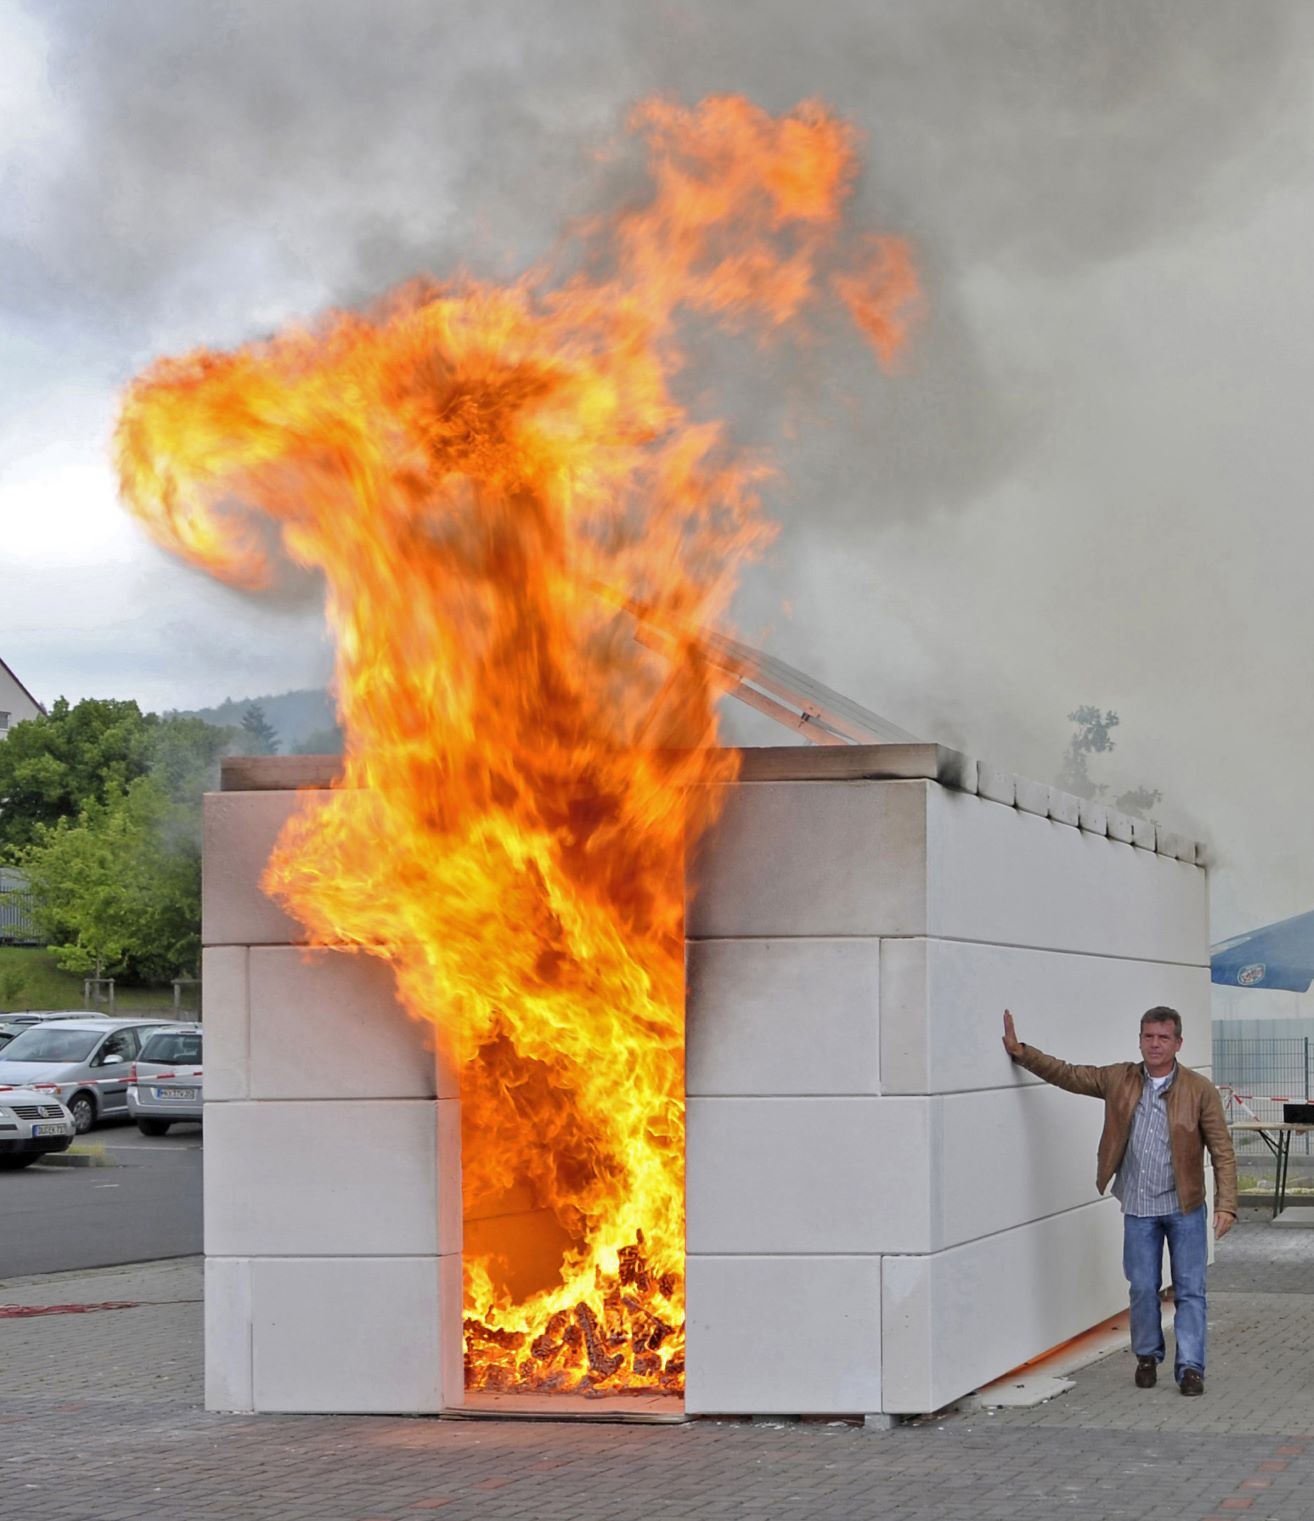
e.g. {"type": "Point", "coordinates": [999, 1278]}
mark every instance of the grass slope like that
{"type": "Point", "coordinates": [29, 979]}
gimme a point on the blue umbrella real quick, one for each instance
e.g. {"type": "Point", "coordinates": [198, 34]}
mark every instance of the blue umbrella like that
{"type": "Point", "coordinates": [1280, 955]}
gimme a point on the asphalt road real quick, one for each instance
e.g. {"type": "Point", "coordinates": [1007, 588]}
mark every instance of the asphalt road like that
{"type": "Point", "coordinates": [147, 1205]}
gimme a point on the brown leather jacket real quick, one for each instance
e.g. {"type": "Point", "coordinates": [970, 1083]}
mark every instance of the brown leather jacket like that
{"type": "Point", "coordinates": [1195, 1120]}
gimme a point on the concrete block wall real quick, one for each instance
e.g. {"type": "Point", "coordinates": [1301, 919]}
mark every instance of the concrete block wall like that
{"type": "Point", "coordinates": [884, 1213]}
{"type": "Point", "coordinates": [332, 1177]}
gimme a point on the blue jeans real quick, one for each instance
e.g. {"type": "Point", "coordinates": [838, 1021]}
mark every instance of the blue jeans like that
{"type": "Point", "coordinates": [1142, 1261]}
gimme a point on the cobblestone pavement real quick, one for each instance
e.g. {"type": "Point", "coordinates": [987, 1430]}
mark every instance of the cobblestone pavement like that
{"type": "Point", "coordinates": [100, 1420]}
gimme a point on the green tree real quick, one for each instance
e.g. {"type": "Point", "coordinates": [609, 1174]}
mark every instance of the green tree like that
{"type": "Point", "coordinates": [259, 737]}
{"type": "Point", "coordinates": [54, 764]}
{"type": "Point", "coordinates": [101, 805]}
{"type": "Point", "coordinates": [117, 891]}
{"type": "Point", "coordinates": [184, 755]}
{"type": "Point", "coordinates": [321, 742]}
{"type": "Point", "coordinates": [1094, 736]}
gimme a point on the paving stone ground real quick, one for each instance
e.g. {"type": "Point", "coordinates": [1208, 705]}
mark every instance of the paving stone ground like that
{"type": "Point", "coordinates": [101, 1420]}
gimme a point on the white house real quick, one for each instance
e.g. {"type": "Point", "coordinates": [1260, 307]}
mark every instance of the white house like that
{"type": "Point", "coordinates": [16, 702]}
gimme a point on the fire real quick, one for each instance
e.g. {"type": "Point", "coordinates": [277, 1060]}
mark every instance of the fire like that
{"type": "Point", "coordinates": [491, 479]}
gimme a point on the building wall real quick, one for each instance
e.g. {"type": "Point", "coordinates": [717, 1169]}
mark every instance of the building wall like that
{"type": "Point", "coordinates": [16, 702]}
{"type": "Point", "coordinates": [332, 1168]}
{"type": "Point", "coordinates": [883, 1213]}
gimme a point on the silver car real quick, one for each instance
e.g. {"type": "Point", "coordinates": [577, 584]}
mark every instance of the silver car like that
{"type": "Point", "coordinates": [81, 1060]}
{"type": "Point", "coordinates": [13, 1025]}
{"type": "Point", "coordinates": [32, 1125]}
{"type": "Point", "coordinates": [165, 1082]}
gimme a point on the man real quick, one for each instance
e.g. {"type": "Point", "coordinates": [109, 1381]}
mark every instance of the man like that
{"type": "Point", "coordinates": [1158, 1119]}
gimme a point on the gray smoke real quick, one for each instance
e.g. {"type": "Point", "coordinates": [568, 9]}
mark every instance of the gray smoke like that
{"type": "Point", "coordinates": [1031, 515]}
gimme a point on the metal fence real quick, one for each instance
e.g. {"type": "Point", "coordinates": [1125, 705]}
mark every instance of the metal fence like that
{"type": "Point", "coordinates": [1256, 1077]}
{"type": "Point", "coordinates": [17, 926]}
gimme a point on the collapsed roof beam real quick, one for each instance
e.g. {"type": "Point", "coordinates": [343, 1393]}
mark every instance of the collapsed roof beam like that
{"type": "Point", "coordinates": [768, 685]}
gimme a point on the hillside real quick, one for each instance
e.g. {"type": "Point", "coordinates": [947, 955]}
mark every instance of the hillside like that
{"type": "Point", "coordinates": [297, 716]}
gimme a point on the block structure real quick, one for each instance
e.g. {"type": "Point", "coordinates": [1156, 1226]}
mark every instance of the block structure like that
{"type": "Point", "coordinates": [883, 1212]}
{"type": "Point", "coordinates": [332, 1169]}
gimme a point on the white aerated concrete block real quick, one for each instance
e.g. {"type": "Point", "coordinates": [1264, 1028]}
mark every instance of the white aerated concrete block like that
{"type": "Point", "coordinates": [996, 785]}
{"type": "Point", "coordinates": [1120, 826]}
{"type": "Point", "coordinates": [963, 1317]}
{"type": "Point", "coordinates": [1064, 808]}
{"type": "Point", "coordinates": [1032, 797]}
{"type": "Point", "coordinates": [814, 858]}
{"type": "Point", "coordinates": [955, 769]}
{"type": "Point", "coordinates": [942, 1004]}
{"type": "Point", "coordinates": [1094, 816]}
{"type": "Point", "coordinates": [227, 1067]}
{"type": "Point", "coordinates": [1016, 879]}
{"type": "Point", "coordinates": [323, 1178]}
{"type": "Point", "coordinates": [1005, 1158]}
{"type": "Point", "coordinates": [363, 1335]}
{"type": "Point", "coordinates": [228, 1334]}
{"type": "Point", "coordinates": [328, 1024]}
{"type": "Point", "coordinates": [783, 1017]}
{"type": "Point", "coordinates": [1177, 845]}
{"type": "Point", "coordinates": [810, 1175]}
{"type": "Point", "coordinates": [783, 1335]}
{"type": "Point", "coordinates": [1143, 834]}
{"type": "Point", "coordinates": [240, 831]}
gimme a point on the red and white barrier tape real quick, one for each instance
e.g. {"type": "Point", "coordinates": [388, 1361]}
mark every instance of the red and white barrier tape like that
{"type": "Point", "coordinates": [93, 1082]}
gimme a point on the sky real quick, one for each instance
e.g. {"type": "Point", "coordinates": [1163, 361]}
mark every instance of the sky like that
{"type": "Point", "coordinates": [1087, 483]}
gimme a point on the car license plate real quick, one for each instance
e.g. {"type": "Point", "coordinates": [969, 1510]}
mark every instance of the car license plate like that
{"type": "Point", "coordinates": [50, 1129]}
{"type": "Point", "coordinates": [190, 1095]}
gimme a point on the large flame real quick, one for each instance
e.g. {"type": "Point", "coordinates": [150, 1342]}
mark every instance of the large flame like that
{"type": "Point", "coordinates": [492, 480]}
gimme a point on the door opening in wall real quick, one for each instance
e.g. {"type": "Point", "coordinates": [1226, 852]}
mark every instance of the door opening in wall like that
{"type": "Point", "coordinates": [573, 1208]}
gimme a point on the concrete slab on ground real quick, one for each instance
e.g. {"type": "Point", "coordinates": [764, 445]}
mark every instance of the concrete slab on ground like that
{"type": "Point", "coordinates": [102, 1420]}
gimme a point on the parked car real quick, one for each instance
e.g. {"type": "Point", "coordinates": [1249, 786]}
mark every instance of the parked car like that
{"type": "Point", "coordinates": [35, 1016]}
{"type": "Point", "coordinates": [32, 1125]}
{"type": "Point", "coordinates": [164, 1085]}
{"type": "Point", "coordinates": [82, 1060]}
{"type": "Point", "coordinates": [13, 1025]}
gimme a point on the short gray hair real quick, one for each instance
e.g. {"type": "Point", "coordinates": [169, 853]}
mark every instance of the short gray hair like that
{"type": "Point", "coordinates": [1161, 1014]}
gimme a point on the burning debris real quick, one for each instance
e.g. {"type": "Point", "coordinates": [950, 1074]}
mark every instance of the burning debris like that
{"type": "Point", "coordinates": [487, 477]}
{"type": "Point", "coordinates": [620, 1349]}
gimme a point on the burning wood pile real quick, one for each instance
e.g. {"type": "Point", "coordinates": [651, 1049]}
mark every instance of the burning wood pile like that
{"type": "Point", "coordinates": [486, 477]}
{"type": "Point", "coordinates": [623, 1347]}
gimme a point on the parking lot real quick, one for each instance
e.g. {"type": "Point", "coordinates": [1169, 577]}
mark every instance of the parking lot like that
{"type": "Point", "coordinates": [100, 1409]}
{"type": "Point", "coordinates": [144, 1204]}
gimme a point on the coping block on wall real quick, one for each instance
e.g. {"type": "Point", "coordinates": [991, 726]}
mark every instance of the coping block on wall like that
{"type": "Point", "coordinates": [958, 1319]}
{"type": "Point", "coordinates": [783, 1335]}
{"type": "Point", "coordinates": [325, 1178]}
{"type": "Point", "coordinates": [783, 1017]}
{"type": "Point", "coordinates": [775, 1175]}
{"type": "Point", "coordinates": [360, 1335]}
{"type": "Point", "coordinates": [814, 858]}
{"type": "Point", "coordinates": [328, 1024]}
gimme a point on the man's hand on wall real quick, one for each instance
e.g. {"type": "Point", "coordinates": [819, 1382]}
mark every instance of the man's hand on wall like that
{"type": "Point", "coordinates": [1011, 1043]}
{"type": "Point", "coordinates": [1222, 1224]}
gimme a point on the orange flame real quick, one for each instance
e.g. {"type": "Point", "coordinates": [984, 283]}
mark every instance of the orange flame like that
{"type": "Point", "coordinates": [488, 478]}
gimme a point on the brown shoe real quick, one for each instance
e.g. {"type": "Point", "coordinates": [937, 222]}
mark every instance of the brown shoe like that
{"type": "Point", "coordinates": [1147, 1370]}
{"type": "Point", "coordinates": [1192, 1381]}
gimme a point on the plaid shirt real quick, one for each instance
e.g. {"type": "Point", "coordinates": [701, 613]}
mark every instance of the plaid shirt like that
{"type": "Point", "coordinates": [1145, 1184]}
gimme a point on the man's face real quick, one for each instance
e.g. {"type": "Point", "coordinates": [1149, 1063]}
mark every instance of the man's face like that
{"type": "Point", "coordinates": [1160, 1044]}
